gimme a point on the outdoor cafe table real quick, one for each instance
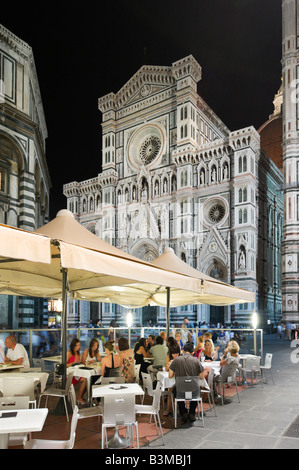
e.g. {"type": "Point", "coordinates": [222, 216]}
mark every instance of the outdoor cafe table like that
{"type": "Point", "coordinates": [214, 364]}
{"type": "Point", "coordinates": [8, 366]}
{"type": "Point", "coordinates": [101, 391]}
{"type": "Point", "coordinates": [166, 382]}
{"type": "Point", "coordinates": [52, 359]}
{"type": "Point", "coordinates": [25, 421]}
{"type": "Point", "coordinates": [87, 372]}
{"type": "Point", "coordinates": [39, 377]}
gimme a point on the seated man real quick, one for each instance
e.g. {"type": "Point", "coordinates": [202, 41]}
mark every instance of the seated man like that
{"type": "Point", "coordinates": [184, 366]}
{"type": "Point", "coordinates": [159, 353]}
{"type": "Point", "coordinates": [151, 341]}
{"type": "Point", "coordinates": [16, 353]}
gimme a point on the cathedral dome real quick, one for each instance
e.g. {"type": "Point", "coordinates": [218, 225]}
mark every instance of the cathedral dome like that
{"type": "Point", "coordinates": [271, 133]}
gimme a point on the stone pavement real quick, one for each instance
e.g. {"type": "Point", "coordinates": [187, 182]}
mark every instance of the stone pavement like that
{"type": "Point", "coordinates": [258, 422]}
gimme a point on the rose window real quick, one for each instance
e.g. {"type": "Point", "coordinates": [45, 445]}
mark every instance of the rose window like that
{"type": "Point", "coordinates": [149, 149]}
{"type": "Point", "coordinates": [216, 213]}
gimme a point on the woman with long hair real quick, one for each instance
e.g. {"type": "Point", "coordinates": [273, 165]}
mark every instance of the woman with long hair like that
{"type": "Point", "coordinates": [127, 356]}
{"type": "Point", "coordinates": [140, 354]}
{"type": "Point", "coordinates": [111, 361]}
{"type": "Point", "coordinates": [91, 354]}
{"type": "Point", "coordinates": [74, 357]}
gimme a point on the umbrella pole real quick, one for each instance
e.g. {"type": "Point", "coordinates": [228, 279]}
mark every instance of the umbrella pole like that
{"type": "Point", "coordinates": [60, 407]}
{"type": "Point", "coordinates": [64, 324]}
{"type": "Point", "coordinates": [168, 312]}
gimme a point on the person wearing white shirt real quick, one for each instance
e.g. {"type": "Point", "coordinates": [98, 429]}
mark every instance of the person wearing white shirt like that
{"type": "Point", "coordinates": [16, 353]}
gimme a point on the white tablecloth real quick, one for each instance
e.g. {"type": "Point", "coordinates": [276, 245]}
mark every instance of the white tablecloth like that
{"type": "Point", "coordinates": [166, 382]}
{"type": "Point", "coordinates": [214, 364]}
{"type": "Point", "coordinates": [87, 373]}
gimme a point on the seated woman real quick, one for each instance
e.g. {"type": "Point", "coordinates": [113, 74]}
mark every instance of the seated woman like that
{"type": "Point", "coordinates": [127, 357]}
{"type": "Point", "coordinates": [231, 358]}
{"type": "Point", "coordinates": [210, 352]}
{"type": "Point", "coordinates": [199, 347]}
{"type": "Point", "coordinates": [91, 354]}
{"type": "Point", "coordinates": [112, 362]}
{"type": "Point", "coordinates": [173, 352]}
{"type": "Point", "coordinates": [140, 354]}
{"type": "Point", "coordinates": [73, 357]}
{"type": "Point", "coordinates": [170, 341]}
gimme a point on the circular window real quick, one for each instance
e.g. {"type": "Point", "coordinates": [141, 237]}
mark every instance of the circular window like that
{"type": "Point", "coordinates": [216, 213]}
{"type": "Point", "coordinates": [145, 146]}
{"type": "Point", "coordinates": [149, 149]}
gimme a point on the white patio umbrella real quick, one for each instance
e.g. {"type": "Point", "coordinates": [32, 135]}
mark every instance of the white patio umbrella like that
{"type": "Point", "coordinates": [75, 260]}
{"type": "Point", "coordinates": [64, 257]}
{"type": "Point", "coordinates": [214, 292]}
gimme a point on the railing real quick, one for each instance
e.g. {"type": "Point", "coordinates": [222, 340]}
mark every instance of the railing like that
{"type": "Point", "coordinates": [42, 343]}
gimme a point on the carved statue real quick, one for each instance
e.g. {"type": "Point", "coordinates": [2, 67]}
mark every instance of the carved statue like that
{"type": "Point", "coordinates": [225, 172]}
{"type": "Point", "coordinates": [242, 260]}
{"type": "Point", "coordinates": [202, 177]}
{"type": "Point", "coordinates": [213, 174]}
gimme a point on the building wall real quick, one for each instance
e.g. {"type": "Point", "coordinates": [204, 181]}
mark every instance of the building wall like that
{"type": "Point", "coordinates": [24, 176]}
{"type": "Point", "coordinates": [290, 69]}
{"type": "Point", "coordinates": [174, 175]}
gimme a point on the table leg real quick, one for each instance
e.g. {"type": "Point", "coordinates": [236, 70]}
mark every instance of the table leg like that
{"type": "Point", "coordinates": [4, 441]}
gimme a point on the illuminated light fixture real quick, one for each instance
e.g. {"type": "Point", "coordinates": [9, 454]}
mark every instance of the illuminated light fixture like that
{"type": "Point", "coordinates": [129, 319]}
{"type": "Point", "coordinates": [254, 319]}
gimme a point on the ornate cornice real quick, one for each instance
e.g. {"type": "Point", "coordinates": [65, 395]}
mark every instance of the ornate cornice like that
{"type": "Point", "coordinates": [150, 79]}
{"type": "Point", "coordinates": [14, 43]}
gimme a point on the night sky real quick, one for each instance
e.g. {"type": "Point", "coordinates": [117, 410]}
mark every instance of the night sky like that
{"type": "Point", "coordinates": [85, 50]}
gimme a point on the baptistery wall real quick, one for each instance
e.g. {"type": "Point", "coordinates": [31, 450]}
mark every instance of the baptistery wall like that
{"type": "Point", "coordinates": [24, 177]}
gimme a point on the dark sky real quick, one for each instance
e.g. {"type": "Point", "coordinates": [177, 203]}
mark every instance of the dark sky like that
{"type": "Point", "coordinates": [85, 50]}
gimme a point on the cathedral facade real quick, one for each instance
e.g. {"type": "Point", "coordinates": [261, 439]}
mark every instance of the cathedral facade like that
{"type": "Point", "coordinates": [24, 176]}
{"type": "Point", "coordinates": [174, 175]}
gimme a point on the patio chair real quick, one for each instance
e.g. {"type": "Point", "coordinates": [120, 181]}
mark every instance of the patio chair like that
{"type": "Point", "coordinates": [112, 380]}
{"type": "Point", "coordinates": [37, 362]}
{"type": "Point", "coordinates": [227, 376]}
{"type": "Point", "coordinates": [253, 367]}
{"type": "Point", "coordinates": [267, 366]}
{"type": "Point", "coordinates": [207, 387]}
{"type": "Point", "coordinates": [188, 389]}
{"type": "Point", "coordinates": [55, 444]}
{"type": "Point", "coordinates": [147, 385]}
{"type": "Point", "coordinates": [19, 386]}
{"type": "Point", "coordinates": [16, 403]}
{"type": "Point", "coordinates": [137, 371]}
{"type": "Point", "coordinates": [116, 372]}
{"type": "Point", "coordinates": [153, 409]}
{"type": "Point", "coordinates": [119, 410]}
{"type": "Point", "coordinates": [87, 412]}
{"type": "Point", "coordinates": [58, 392]}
